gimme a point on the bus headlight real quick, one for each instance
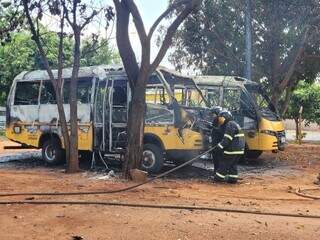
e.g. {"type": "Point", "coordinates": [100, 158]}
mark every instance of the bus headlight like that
{"type": "Point", "coordinates": [268, 132]}
{"type": "Point", "coordinates": [17, 129]}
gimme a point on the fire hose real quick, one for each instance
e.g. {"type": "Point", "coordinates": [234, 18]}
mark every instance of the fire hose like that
{"type": "Point", "coordinates": [108, 191]}
{"type": "Point", "coordinates": [137, 205]}
{"type": "Point", "coordinates": [302, 193]}
{"type": "Point", "coordinates": [161, 206]}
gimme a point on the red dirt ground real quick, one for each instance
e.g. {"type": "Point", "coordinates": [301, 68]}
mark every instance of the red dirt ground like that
{"type": "Point", "coordinates": [263, 190]}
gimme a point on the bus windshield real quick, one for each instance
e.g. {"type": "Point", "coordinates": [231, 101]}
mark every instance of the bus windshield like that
{"type": "Point", "coordinates": [264, 104]}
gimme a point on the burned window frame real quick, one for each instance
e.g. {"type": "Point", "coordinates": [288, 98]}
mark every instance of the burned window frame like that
{"type": "Point", "coordinates": [87, 80]}
{"type": "Point", "coordinates": [164, 98]}
{"type": "Point", "coordinates": [236, 89]}
{"type": "Point", "coordinates": [28, 101]}
{"type": "Point", "coordinates": [217, 91]}
{"type": "Point", "coordinates": [50, 95]}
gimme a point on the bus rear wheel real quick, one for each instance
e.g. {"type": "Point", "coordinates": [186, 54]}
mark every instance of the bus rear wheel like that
{"type": "Point", "coordinates": [52, 152]}
{"type": "Point", "coordinates": [152, 160]}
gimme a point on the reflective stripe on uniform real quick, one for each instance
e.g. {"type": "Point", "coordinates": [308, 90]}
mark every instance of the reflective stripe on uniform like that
{"type": "Point", "coordinates": [220, 146]}
{"type": "Point", "coordinates": [239, 135]}
{"type": "Point", "coordinates": [234, 152]}
{"type": "Point", "coordinates": [228, 136]}
{"type": "Point", "coordinates": [220, 175]}
{"type": "Point", "coordinates": [233, 176]}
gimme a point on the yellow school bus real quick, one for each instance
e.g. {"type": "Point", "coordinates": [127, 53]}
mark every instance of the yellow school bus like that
{"type": "Point", "coordinates": [252, 109]}
{"type": "Point", "coordinates": [249, 104]}
{"type": "Point", "coordinates": [103, 100]}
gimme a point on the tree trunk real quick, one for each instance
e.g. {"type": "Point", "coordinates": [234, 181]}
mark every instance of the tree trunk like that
{"type": "Point", "coordinates": [296, 120]}
{"type": "Point", "coordinates": [138, 76]}
{"type": "Point", "coordinates": [56, 84]}
{"type": "Point", "coordinates": [135, 130]}
{"type": "Point", "coordinates": [63, 121]}
{"type": "Point", "coordinates": [59, 91]}
{"type": "Point", "coordinates": [73, 164]}
{"type": "Point", "coordinates": [275, 57]}
{"type": "Point", "coordinates": [300, 125]}
{"type": "Point", "coordinates": [280, 87]}
{"type": "Point", "coordinates": [275, 98]}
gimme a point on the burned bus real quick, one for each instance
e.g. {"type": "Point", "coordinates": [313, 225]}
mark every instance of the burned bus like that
{"type": "Point", "coordinates": [103, 100]}
{"type": "Point", "coordinates": [248, 102]}
{"type": "Point", "coordinates": [252, 109]}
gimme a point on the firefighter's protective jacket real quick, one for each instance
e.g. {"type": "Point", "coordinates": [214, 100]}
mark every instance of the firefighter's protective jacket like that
{"type": "Point", "coordinates": [216, 135]}
{"type": "Point", "coordinates": [233, 142]}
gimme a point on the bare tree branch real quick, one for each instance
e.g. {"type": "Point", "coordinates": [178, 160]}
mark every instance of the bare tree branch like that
{"type": "Point", "coordinates": [171, 8]}
{"type": "Point", "coordinates": [66, 11]}
{"type": "Point", "coordinates": [88, 19]}
{"type": "Point", "coordinates": [74, 11]}
{"type": "Point", "coordinates": [60, 50]}
{"type": "Point", "coordinates": [171, 31]}
{"type": "Point", "coordinates": [36, 38]}
{"type": "Point", "coordinates": [292, 67]}
{"type": "Point", "coordinates": [132, 7]}
{"type": "Point", "coordinates": [145, 43]}
{"type": "Point", "coordinates": [125, 49]}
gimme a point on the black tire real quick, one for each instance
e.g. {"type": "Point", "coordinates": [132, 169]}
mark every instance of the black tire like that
{"type": "Point", "coordinates": [52, 152]}
{"type": "Point", "coordinates": [253, 154]}
{"type": "Point", "coordinates": [152, 161]}
{"type": "Point", "coordinates": [85, 155]}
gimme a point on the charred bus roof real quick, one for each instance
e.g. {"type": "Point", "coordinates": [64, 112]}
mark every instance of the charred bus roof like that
{"type": "Point", "coordinates": [100, 71]}
{"type": "Point", "coordinates": [176, 78]}
{"type": "Point", "coordinates": [39, 75]}
{"type": "Point", "coordinates": [225, 81]}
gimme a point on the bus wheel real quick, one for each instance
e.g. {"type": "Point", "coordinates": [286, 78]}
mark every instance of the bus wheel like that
{"type": "Point", "coordinates": [253, 154]}
{"type": "Point", "coordinates": [152, 160]}
{"type": "Point", "coordinates": [52, 153]}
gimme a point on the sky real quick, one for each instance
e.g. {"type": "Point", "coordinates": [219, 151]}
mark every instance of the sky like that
{"type": "Point", "coordinates": [149, 10]}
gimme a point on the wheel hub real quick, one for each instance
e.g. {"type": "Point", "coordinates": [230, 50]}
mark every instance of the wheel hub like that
{"type": "Point", "coordinates": [50, 153]}
{"type": "Point", "coordinates": [149, 159]}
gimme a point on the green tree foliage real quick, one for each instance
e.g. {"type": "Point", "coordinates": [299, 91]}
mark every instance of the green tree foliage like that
{"type": "Point", "coordinates": [15, 56]}
{"type": "Point", "coordinates": [20, 54]}
{"type": "Point", "coordinates": [11, 19]}
{"type": "Point", "coordinates": [213, 41]}
{"type": "Point", "coordinates": [308, 96]}
{"type": "Point", "coordinates": [96, 51]}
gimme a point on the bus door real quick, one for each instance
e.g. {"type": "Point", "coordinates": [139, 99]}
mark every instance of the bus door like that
{"type": "Point", "coordinates": [117, 113]}
{"type": "Point", "coordinates": [99, 121]}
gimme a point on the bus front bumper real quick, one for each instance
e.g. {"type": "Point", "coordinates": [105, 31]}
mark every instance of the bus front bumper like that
{"type": "Point", "coordinates": [267, 141]}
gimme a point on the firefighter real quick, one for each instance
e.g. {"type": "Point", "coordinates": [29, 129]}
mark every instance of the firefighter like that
{"type": "Point", "coordinates": [230, 149]}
